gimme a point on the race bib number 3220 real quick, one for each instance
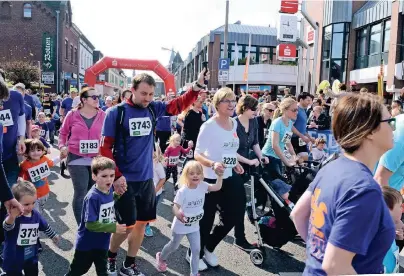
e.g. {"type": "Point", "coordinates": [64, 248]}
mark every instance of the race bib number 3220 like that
{"type": "Point", "coordinates": [140, 126]}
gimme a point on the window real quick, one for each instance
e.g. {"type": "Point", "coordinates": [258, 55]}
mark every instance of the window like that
{"type": "Point", "coordinates": [327, 42]}
{"type": "Point", "coordinates": [375, 39]}
{"type": "Point", "coordinates": [67, 18]}
{"type": "Point", "coordinates": [82, 60]}
{"type": "Point", "coordinates": [337, 45]}
{"type": "Point", "coordinates": [386, 37]}
{"type": "Point", "coordinates": [5, 10]}
{"type": "Point", "coordinates": [75, 56]}
{"type": "Point", "coordinates": [66, 49]}
{"type": "Point", "coordinates": [27, 11]}
{"type": "Point", "coordinates": [71, 54]}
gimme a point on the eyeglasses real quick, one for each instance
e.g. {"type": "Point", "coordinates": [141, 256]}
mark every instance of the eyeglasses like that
{"type": "Point", "coordinates": [229, 101]}
{"type": "Point", "coordinates": [270, 110]}
{"type": "Point", "coordinates": [94, 97]}
{"type": "Point", "coordinates": [391, 122]}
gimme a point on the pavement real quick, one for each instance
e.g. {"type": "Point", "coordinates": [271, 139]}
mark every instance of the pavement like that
{"type": "Point", "coordinates": [54, 261]}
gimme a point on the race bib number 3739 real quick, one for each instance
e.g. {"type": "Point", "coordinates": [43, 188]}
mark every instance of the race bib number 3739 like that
{"type": "Point", "coordinates": [107, 213]}
{"type": "Point", "coordinates": [140, 126]}
{"type": "Point", "coordinates": [28, 234]}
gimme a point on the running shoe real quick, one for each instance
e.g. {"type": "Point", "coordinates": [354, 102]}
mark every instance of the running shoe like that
{"type": "Point", "coordinates": [111, 266]}
{"type": "Point", "coordinates": [160, 264]}
{"type": "Point", "coordinates": [210, 258]}
{"type": "Point", "coordinates": [244, 245]}
{"type": "Point", "coordinates": [130, 271]}
{"type": "Point", "coordinates": [148, 232]}
{"type": "Point", "coordinates": [201, 266]}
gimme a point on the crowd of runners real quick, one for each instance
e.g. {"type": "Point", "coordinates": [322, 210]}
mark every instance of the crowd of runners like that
{"type": "Point", "coordinates": [121, 151]}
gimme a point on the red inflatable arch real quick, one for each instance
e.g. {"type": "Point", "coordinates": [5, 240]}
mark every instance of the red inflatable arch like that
{"type": "Point", "coordinates": [152, 65]}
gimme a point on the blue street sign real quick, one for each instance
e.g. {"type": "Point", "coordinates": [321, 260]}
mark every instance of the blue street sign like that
{"type": "Point", "coordinates": [224, 64]}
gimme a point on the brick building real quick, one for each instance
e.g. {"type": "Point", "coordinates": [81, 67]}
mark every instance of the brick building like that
{"type": "Point", "coordinates": [30, 31]}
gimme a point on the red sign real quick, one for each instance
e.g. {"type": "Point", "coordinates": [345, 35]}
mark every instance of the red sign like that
{"type": "Point", "coordinates": [310, 35]}
{"type": "Point", "coordinates": [289, 6]}
{"type": "Point", "coordinates": [286, 52]}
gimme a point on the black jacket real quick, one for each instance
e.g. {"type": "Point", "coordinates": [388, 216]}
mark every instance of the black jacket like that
{"type": "Point", "coordinates": [323, 121]}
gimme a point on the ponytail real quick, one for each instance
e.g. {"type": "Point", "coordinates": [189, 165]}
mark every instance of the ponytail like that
{"type": "Point", "coordinates": [277, 113]}
{"type": "Point", "coordinates": [4, 92]}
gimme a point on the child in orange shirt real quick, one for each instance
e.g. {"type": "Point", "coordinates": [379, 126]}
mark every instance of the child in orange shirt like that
{"type": "Point", "coordinates": [36, 169]}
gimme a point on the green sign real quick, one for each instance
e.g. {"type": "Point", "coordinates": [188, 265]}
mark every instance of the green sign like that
{"type": "Point", "coordinates": [48, 53]}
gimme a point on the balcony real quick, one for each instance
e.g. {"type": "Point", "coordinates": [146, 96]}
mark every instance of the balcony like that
{"type": "Point", "coordinates": [371, 60]}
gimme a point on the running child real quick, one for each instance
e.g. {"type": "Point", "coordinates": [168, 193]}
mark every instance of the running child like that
{"type": "Point", "coordinates": [43, 126]}
{"type": "Point", "coordinates": [159, 178]}
{"type": "Point", "coordinates": [35, 134]}
{"type": "Point", "coordinates": [36, 169]}
{"type": "Point", "coordinates": [394, 200]}
{"type": "Point", "coordinates": [172, 155]}
{"type": "Point", "coordinates": [22, 232]}
{"type": "Point", "coordinates": [188, 211]}
{"type": "Point", "coordinates": [97, 221]}
{"type": "Point", "coordinates": [318, 153]}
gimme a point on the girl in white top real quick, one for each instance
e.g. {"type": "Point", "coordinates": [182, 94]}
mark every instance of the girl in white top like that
{"type": "Point", "coordinates": [188, 211]}
{"type": "Point", "coordinates": [216, 149]}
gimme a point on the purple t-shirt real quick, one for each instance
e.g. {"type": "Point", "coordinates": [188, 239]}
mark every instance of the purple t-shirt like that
{"type": "Point", "coordinates": [15, 107]}
{"type": "Point", "coordinates": [57, 105]}
{"type": "Point", "coordinates": [135, 162]}
{"type": "Point", "coordinates": [348, 211]}
{"type": "Point", "coordinates": [25, 229]}
{"type": "Point", "coordinates": [97, 206]}
{"type": "Point", "coordinates": [67, 105]}
{"type": "Point", "coordinates": [30, 101]}
{"type": "Point", "coordinates": [28, 112]}
{"type": "Point", "coordinates": [43, 129]}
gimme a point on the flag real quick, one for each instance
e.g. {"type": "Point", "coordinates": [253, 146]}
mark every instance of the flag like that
{"type": "Point", "coordinates": [248, 60]}
{"type": "Point", "coordinates": [380, 90]}
{"type": "Point", "coordinates": [236, 54]}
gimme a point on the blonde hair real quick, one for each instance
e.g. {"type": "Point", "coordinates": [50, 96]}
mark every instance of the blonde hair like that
{"type": "Point", "coordinates": [158, 156]}
{"type": "Point", "coordinates": [221, 94]}
{"type": "Point", "coordinates": [283, 106]}
{"type": "Point", "coordinates": [189, 167]}
{"type": "Point", "coordinates": [173, 137]}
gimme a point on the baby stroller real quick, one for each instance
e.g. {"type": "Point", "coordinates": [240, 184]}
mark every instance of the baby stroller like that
{"type": "Point", "coordinates": [275, 228]}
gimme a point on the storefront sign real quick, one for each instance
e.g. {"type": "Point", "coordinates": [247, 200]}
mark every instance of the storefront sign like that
{"type": "Point", "coordinates": [287, 30]}
{"type": "Point", "coordinates": [48, 53]}
{"type": "Point", "coordinates": [289, 6]}
{"type": "Point", "coordinates": [256, 88]}
{"type": "Point", "coordinates": [286, 52]}
{"type": "Point", "coordinates": [310, 35]}
{"type": "Point", "coordinates": [331, 144]}
{"type": "Point", "coordinates": [48, 77]}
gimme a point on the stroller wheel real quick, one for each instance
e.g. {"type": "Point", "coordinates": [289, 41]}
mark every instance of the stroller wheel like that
{"type": "Point", "coordinates": [257, 256]}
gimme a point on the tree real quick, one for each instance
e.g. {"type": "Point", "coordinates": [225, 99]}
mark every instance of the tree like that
{"type": "Point", "coordinates": [21, 71]}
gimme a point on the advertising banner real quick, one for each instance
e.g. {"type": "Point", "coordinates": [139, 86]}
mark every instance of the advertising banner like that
{"type": "Point", "coordinates": [331, 144]}
{"type": "Point", "coordinates": [48, 56]}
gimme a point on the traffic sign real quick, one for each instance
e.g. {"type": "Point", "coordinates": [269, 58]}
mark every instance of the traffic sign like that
{"type": "Point", "coordinates": [224, 64]}
{"type": "Point", "coordinates": [286, 52]}
{"type": "Point", "coordinates": [223, 75]}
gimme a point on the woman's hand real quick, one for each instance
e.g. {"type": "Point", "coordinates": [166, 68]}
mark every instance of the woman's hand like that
{"type": "Point", "coordinates": [238, 169]}
{"type": "Point", "coordinates": [180, 216]}
{"type": "Point", "coordinates": [266, 160]}
{"type": "Point", "coordinates": [254, 162]}
{"type": "Point", "coordinates": [202, 77]}
{"type": "Point", "coordinates": [218, 168]}
{"type": "Point", "coordinates": [63, 152]}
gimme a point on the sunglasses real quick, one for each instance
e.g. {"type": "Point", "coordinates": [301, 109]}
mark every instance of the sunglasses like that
{"type": "Point", "coordinates": [270, 110]}
{"type": "Point", "coordinates": [94, 97]}
{"type": "Point", "coordinates": [293, 110]}
{"type": "Point", "coordinates": [391, 122]}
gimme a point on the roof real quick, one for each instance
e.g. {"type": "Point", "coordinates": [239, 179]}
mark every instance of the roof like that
{"type": "Point", "coordinates": [247, 29]}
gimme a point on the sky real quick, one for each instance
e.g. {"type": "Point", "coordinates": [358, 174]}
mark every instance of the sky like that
{"type": "Point", "coordinates": [139, 28]}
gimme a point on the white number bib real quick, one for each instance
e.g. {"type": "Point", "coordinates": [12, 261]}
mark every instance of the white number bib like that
{"type": "Point", "coordinates": [266, 131]}
{"type": "Point", "coordinates": [173, 121]}
{"type": "Point", "coordinates": [287, 137]}
{"type": "Point", "coordinates": [28, 234]}
{"type": "Point", "coordinates": [203, 117]}
{"type": "Point", "coordinates": [47, 111]}
{"type": "Point", "coordinates": [107, 213]}
{"type": "Point", "coordinates": [42, 133]}
{"type": "Point", "coordinates": [301, 142]}
{"type": "Point", "coordinates": [89, 146]}
{"type": "Point", "coordinates": [190, 154]}
{"type": "Point", "coordinates": [173, 160]}
{"type": "Point", "coordinates": [229, 160]}
{"type": "Point", "coordinates": [6, 118]}
{"type": "Point", "coordinates": [191, 219]}
{"type": "Point", "coordinates": [140, 126]}
{"type": "Point", "coordinates": [39, 172]}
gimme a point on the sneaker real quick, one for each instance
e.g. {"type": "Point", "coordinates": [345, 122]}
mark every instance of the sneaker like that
{"type": "Point", "coordinates": [111, 266]}
{"type": "Point", "coordinates": [2, 272]}
{"type": "Point", "coordinates": [244, 245]}
{"type": "Point", "coordinates": [130, 271]}
{"type": "Point", "coordinates": [160, 265]}
{"type": "Point", "coordinates": [201, 266]}
{"type": "Point", "coordinates": [148, 232]}
{"type": "Point", "coordinates": [210, 258]}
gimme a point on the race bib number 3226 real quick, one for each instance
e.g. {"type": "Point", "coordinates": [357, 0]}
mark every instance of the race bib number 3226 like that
{"type": "Point", "coordinates": [140, 126]}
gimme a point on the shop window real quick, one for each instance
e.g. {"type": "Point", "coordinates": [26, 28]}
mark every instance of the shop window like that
{"type": "Point", "coordinates": [5, 10]}
{"type": "Point", "coordinates": [375, 39]}
{"type": "Point", "coordinates": [66, 49]}
{"type": "Point", "coordinates": [71, 54]}
{"type": "Point", "coordinates": [27, 10]}
{"type": "Point", "coordinates": [386, 36]}
{"type": "Point", "coordinates": [75, 56]}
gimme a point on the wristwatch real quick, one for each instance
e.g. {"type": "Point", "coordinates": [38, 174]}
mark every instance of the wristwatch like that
{"type": "Point", "coordinates": [199, 86]}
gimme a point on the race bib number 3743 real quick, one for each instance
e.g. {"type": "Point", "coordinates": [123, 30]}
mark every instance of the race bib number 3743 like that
{"type": "Point", "coordinates": [140, 126]}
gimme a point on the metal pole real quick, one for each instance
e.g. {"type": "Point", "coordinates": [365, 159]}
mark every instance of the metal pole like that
{"type": "Point", "coordinates": [307, 70]}
{"type": "Point", "coordinates": [300, 69]}
{"type": "Point", "coordinates": [315, 55]}
{"type": "Point", "coordinates": [226, 30]}
{"type": "Point", "coordinates": [57, 53]}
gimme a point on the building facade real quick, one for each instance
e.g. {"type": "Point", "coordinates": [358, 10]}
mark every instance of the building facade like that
{"type": "Point", "coordinates": [86, 58]}
{"type": "Point", "coordinates": [41, 31]}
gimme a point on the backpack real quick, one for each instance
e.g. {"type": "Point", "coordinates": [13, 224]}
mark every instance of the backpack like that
{"type": "Point", "coordinates": [120, 130]}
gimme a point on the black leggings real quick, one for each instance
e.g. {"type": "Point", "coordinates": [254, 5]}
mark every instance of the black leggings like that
{"type": "Point", "coordinates": [30, 269]}
{"type": "Point", "coordinates": [163, 137]}
{"type": "Point", "coordinates": [172, 171]}
{"type": "Point", "coordinates": [230, 202]}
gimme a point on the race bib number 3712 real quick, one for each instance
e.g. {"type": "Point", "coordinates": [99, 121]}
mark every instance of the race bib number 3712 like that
{"type": "Point", "coordinates": [140, 126]}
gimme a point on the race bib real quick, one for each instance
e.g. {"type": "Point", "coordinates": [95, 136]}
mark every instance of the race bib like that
{"type": "Point", "coordinates": [42, 133]}
{"type": "Point", "coordinates": [39, 172]}
{"type": "Point", "coordinates": [28, 234]}
{"type": "Point", "coordinates": [301, 142]}
{"type": "Point", "coordinates": [6, 118]}
{"type": "Point", "coordinates": [140, 126]}
{"type": "Point", "coordinates": [229, 160]}
{"type": "Point", "coordinates": [266, 132]}
{"type": "Point", "coordinates": [190, 154]}
{"type": "Point", "coordinates": [173, 121]}
{"type": "Point", "coordinates": [107, 213]}
{"type": "Point", "coordinates": [173, 160]}
{"type": "Point", "coordinates": [47, 111]}
{"type": "Point", "coordinates": [192, 219]}
{"type": "Point", "coordinates": [203, 117]}
{"type": "Point", "coordinates": [89, 146]}
{"type": "Point", "coordinates": [287, 137]}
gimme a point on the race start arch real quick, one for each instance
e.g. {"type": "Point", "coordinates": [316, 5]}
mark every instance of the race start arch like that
{"type": "Point", "coordinates": [105, 63]}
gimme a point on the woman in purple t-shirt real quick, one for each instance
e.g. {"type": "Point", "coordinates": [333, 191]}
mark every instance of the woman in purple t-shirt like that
{"type": "Point", "coordinates": [342, 216]}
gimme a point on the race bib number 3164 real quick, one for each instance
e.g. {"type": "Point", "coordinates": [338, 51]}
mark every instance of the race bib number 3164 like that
{"type": "Point", "coordinates": [140, 126]}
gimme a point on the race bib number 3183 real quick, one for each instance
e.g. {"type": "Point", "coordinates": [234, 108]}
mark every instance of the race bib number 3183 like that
{"type": "Point", "coordinates": [140, 126]}
{"type": "Point", "coordinates": [89, 146]}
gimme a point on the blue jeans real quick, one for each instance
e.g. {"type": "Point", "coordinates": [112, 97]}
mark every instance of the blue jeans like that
{"type": "Point", "coordinates": [274, 167]}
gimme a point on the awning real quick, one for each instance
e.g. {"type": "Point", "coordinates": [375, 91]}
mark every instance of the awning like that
{"type": "Point", "coordinates": [372, 11]}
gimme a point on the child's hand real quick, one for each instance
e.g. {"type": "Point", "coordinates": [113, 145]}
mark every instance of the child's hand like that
{"type": "Point", "coordinates": [56, 239]}
{"type": "Point", "coordinates": [190, 144]}
{"type": "Point", "coordinates": [120, 228]}
{"type": "Point", "coordinates": [48, 151]}
{"type": "Point", "coordinates": [399, 234]}
{"type": "Point", "coordinates": [14, 212]}
{"type": "Point", "coordinates": [180, 216]}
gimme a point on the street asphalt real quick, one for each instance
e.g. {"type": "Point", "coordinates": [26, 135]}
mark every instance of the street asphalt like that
{"type": "Point", "coordinates": [54, 261]}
